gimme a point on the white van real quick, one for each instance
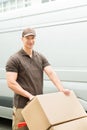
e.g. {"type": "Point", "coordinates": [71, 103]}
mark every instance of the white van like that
{"type": "Point", "coordinates": [61, 29]}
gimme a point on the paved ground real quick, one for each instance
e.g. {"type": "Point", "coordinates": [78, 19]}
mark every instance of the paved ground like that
{"type": "Point", "coordinates": [5, 124]}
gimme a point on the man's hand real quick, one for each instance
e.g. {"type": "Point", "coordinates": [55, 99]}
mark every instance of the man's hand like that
{"type": "Point", "coordinates": [66, 91]}
{"type": "Point", "coordinates": [31, 96]}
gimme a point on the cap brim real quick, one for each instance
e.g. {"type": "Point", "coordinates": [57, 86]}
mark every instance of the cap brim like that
{"type": "Point", "coordinates": [29, 34]}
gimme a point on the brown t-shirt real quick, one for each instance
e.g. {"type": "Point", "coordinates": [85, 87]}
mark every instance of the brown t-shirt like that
{"type": "Point", "coordinates": [30, 74]}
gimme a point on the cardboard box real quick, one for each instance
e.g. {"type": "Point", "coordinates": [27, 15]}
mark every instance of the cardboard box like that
{"type": "Point", "coordinates": [80, 124]}
{"type": "Point", "coordinates": [51, 109]}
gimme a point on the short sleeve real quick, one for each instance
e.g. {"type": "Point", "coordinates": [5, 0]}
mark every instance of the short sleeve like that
{"type": "Point", "coordinates": [12, 64]}
{"type": "Point", "coordinates": [44, 61]}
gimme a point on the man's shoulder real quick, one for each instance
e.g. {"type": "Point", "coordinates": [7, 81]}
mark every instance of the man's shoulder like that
{"type": "Point", "coordinates": [38, 53]}
{"type": "Point", "coordinates": [15, 56]}
{"type": "Point", "coordinates": [40, 56]}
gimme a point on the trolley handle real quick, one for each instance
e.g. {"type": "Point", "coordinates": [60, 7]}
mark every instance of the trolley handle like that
{"type": "Point", "coordinates": [22, 124]}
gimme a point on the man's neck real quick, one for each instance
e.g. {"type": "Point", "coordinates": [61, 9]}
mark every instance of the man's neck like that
{"type": "Point", "coordinates": [28, 51]}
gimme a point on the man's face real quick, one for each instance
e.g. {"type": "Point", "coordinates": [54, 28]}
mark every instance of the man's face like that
{"type": "Point", "coordinates": [28, 41]}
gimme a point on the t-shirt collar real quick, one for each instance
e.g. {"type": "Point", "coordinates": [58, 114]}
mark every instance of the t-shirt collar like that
{"type": "Point", "coordinates": [25, 54]}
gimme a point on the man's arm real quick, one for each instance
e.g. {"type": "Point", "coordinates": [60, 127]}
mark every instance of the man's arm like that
{"type": "Point", "coordinates": [54, 78]}
{"type": "Point", "coordinates": [12, 84]}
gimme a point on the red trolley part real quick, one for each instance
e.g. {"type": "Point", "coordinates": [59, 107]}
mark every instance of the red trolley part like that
{"type": "Point", "coordinates": [22, 124]}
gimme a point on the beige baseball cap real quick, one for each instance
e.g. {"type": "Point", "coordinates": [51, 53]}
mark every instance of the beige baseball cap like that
{"type": "Point", "coordinates": [28, 31]}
